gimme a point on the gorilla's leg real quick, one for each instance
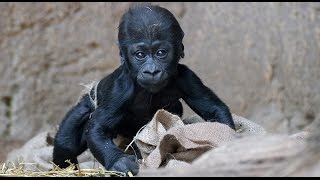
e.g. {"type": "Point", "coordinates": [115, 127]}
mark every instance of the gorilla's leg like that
{"type": "Point", "coordinates": [70, 139]}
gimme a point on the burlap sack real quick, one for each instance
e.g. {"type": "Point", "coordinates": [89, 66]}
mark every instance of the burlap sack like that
{"type": "Point", "coordinates": [168, 139]}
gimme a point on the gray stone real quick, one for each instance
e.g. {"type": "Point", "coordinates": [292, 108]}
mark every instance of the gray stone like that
{"type": "Point", "coordinates": [253, 55]}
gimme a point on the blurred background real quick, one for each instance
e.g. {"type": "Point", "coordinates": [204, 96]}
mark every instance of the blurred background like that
{"type": "Point", "coordinates": [262, 59]}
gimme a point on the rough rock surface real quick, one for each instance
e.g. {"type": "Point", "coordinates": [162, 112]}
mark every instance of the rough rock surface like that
{"type": "Point", "coordinates": [262, 59]}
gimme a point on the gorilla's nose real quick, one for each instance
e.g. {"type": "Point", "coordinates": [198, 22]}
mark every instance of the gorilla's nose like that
{"type": "Point", "coordinates": [150, 71]}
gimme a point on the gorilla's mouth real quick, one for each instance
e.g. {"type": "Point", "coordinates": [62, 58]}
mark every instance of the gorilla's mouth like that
{"type": "Point", "coordinates": [153, 87]}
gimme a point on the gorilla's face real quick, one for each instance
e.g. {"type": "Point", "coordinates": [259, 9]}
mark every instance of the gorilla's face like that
{"type": "Point", "coordinates": [151, 46]}
{"type": "Point", "coordinates": [152, 63]}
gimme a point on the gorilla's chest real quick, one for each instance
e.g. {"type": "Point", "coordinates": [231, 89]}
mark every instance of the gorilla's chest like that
{"type": "Point", "coordinates": [142, 108]}
{"type": "Point", "coordinates": [145, 105]}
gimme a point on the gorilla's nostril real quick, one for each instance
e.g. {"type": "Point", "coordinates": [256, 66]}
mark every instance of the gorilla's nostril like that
{"type": "Point", "coordinates": [153, 73]}
{"type": "Point", "coordinates": [156, 72]}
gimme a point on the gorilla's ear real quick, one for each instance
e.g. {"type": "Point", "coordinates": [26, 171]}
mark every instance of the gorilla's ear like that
{"type": "Point", "coordinates": [121, 57]}
{"type": "Point", "coordinates": [182, 51]}
{"type": "Point", "coordinates": [120, 53]}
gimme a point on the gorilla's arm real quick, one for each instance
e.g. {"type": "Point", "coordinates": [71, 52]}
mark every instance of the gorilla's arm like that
{"type": "Point", "coordinates": [100, 136]}
{"type": "Point", "coordinates": [201, 99]}
{"type": "Point", "coordinates": [106, 119]}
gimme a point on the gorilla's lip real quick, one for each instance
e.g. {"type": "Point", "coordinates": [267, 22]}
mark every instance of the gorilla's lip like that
{"type": "Point", "coordinates": [149, 85]}
{"type": "Point", "coordinates": [158, 83]}
{"type": "Point", "coordinates": [153, 86]}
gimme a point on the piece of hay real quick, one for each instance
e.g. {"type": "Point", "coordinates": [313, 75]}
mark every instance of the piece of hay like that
{"type": "Point", "coordinates": [19, 170]}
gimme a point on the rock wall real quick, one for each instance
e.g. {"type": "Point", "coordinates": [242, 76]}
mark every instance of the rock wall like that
{"type": "Point", "coordinates": [262, 59]}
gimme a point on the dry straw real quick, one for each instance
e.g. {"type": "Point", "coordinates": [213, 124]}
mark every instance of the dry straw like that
{"type": "Point", "coordinates": [18, 170]}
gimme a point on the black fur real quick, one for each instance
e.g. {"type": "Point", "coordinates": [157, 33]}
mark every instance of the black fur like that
{"type": "Point", "coordinates": [149, 78]}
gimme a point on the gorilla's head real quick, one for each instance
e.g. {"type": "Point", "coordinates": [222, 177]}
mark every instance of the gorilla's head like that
{"type": "Point", "coordinates": [150, 42]}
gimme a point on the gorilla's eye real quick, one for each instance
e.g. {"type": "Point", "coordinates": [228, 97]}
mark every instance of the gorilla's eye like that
{"type": "Point", "coordinates": [140, 55]}
{"type": "Point", "coordinates": [161, 53]}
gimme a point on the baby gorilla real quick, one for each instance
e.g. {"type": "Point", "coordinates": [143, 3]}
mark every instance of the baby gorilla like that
{"type": "Point", "coordinates": [149, 78]}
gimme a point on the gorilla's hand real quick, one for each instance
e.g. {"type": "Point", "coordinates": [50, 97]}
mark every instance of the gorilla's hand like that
{"type": "Point", "coordinates": [125, 164]}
